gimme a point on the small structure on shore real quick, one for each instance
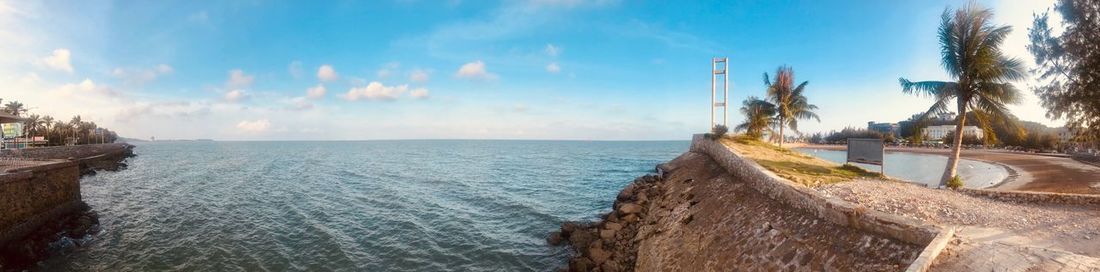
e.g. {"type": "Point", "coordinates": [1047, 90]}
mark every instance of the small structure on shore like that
{"type": "Point", "coordinates": [719, 68]}
{"type": "Point", "coordinates": [6, 118]}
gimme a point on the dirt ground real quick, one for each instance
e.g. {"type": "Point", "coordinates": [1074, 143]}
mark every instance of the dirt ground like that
{"type": "Point", "coordinates": [1041, 173]}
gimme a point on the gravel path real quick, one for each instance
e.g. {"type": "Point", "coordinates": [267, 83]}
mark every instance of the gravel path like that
{"type": "Point", "coordinates": [1070, 228]}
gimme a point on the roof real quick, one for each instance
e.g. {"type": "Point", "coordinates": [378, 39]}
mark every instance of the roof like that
{"type": "Point", "coordinates": [9, 118]}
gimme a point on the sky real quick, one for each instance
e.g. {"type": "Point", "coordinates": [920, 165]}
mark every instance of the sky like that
{"type": "Point", "coordinates": [454, 69]}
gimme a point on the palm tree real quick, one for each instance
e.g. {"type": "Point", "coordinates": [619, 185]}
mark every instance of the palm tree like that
{"type": "Point", "coordinates": [47, 122]}
{"type": "Point", "coordinates": [970, 45]}
{"type": "Point", "coordinates": [74, 124]}
{"type": "Point", "coordinates": [790, 103]}
{"type": "Point", "coordinates": [759, 117]}
{"type": "Point", "coordinates": [32, 125]}
{"type": "Point", "coordinates": [15, 108]}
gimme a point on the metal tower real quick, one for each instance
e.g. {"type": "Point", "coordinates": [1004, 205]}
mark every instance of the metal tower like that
{"type": "Point", "coordinates": [719, 66]}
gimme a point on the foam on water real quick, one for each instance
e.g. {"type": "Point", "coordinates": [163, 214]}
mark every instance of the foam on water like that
{"type": "Point", "coordinates": [352, 206]}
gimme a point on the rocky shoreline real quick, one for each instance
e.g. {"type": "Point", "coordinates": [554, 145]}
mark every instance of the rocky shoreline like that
{"type": "Point", "coordinates": [609, 245]}
{"type": "Point", "coordinates": [70, 230]}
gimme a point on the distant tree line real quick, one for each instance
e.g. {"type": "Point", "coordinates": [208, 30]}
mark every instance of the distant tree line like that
{"type": "Point", "coordinates": [58, 132]}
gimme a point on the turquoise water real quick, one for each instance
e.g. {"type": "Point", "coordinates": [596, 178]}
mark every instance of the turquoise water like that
{"type": "Point", "coordinates": [352, 206]}
{"type": "Point", "coordinates": [923, 168]}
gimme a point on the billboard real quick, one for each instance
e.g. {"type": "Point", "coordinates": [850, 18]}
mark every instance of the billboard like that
{"type": "Point", "coordinates": [868, 151]}
{"type": "Point", "coordinates": [12, 130]}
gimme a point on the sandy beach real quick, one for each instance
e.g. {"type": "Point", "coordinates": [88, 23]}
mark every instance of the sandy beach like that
{"type": "Point", "coordinates": [1035, 172]}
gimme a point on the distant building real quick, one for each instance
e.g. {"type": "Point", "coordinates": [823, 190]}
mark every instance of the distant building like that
{"type": "Point", "coordinates": [884, 128]}
{"type": "Point", "coordinates": [938, 132]}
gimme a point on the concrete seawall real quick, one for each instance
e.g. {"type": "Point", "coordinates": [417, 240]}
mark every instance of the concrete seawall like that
{"type": "Point", "coordinates": [40, 196]}
{"type": "Point", "coordinates": [831, 209]}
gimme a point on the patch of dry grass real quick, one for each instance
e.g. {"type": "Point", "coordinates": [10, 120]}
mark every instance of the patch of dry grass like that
{"type": "Point", "coordinates": [793, 165]}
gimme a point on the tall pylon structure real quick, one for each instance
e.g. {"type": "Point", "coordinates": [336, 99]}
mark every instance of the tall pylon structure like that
{"type": "Point", "coordinates": [719, 68]}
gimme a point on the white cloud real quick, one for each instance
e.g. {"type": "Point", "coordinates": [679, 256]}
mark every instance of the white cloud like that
{"type": "Point", "coordinates": [316, 91]}
{"type": "Point", "coordinates": [419, 76]}
{"type": "Point", "coordinates": [327, 73]}
{"type": "Point", "coordinates": [256, 126]}
{"type": "Point", "coordinates": [141, 75]}
{"type": "Point", "coordinates": [235, 96]}
{"type": "Point", "coordinates": [553, 67]}
{"type": "Point", "coordinates": [300, 104]}
{"type": "Point", "coordinates": [86, 87]}
{"type": "Point", "coordinates": [376, 91]}
{"type": "Point", "coordinates": [60, 60]}
{"type": "Point", "coordinates": [419, 93]}
{"type": "Point", "coordinates": [238, 79]}
{"type": "Point", "coordinates": [552, 50]}
{"type": "Point", "coordinates": [295, 69]}
{"type": "Point", "coordinates": [474, 70]}
{"type": "Point", "coordinates": [388, 70]}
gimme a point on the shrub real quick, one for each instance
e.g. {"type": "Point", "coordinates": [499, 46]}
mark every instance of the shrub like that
{"type": "Point", "coordinates": [717, 132]}
{"type": "Point", "coordinates": [955, 182]}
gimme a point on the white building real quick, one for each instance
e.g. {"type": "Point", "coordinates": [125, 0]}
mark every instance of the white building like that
{"type": "Point", "coordinates": [938, 132]}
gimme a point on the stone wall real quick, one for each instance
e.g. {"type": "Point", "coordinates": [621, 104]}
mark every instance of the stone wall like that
{"type": "Point", "coordinates": [31, 196]}
{"type": "Point", "coordinates": [832, 209]}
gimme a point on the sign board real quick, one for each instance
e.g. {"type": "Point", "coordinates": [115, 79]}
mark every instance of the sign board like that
{"type": "Point", "coordinates": [12, 130]}
{"type": "Point", "coordinates": [868, 151]}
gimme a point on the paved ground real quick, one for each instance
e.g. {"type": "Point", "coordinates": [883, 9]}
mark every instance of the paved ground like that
{"type": "Point", "coordinates": [1036, 172]}
{"type": "Point", "coordinates": [993, 235]}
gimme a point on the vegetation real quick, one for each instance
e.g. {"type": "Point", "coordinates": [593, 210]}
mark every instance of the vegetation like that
{"type": "Point", "coordinates": [970, 45]}
{"type": "Point", "coordinates": [1068, 65]}
{"type": "Point", "coordinates": [790, 103]}
{"type": "Point", "coordinates": [759, 117]}
{"type": "Point", "coordinates": [792, 165]}
{"type": "Point", "coordinates": [57, 132]}
{"type": "Point", "coordinates": [842, 136]}
{"type": "Point", "coordinates": [717, 132]}
{"type": "Point", "coordinates": [955, 182]}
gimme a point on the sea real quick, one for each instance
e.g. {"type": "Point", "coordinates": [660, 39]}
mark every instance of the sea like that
{"type": "Point", "coordinates": [416, 205]}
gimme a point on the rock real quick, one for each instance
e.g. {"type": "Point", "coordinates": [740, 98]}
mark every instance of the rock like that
{"type": "Point", "coordinates": [630, 218]}
{"type": "Point", "coordinates": [630, 208]}
{"type": "Point", "coordinates": [612, 217]}
{"type": "Point", "coordinates": [607, 234]}
{"type": "Point", "coordinates": [613, 226]}
{"type": "Point", "coordinates": [554, 238]}
{"type": "Point", "coordinates": [581, 238]}
{"type": "Point", "coordinates": [568, 228]}
{"type": "Point", "coordinates": [611, 266]}
{"type": "Point", "coordinates": [580, 264]}
{"type": "Point", "coordinates": [688, 219]}
{"type": "Point", "coordinates": [642, 197]}
{"type": "Point", "coordinates": [598, 255]}
{"type": "Point", "coordinates": [628, 192]}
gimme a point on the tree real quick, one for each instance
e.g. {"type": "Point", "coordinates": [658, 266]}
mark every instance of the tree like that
{"type": "Point", "coordinates": [790, 102]}
{"type": "Point", "coordinates": [759, 117]}
{"type": "Point", "coordinates": [970, 45]}
{"type": "Point", "coordinates": [15, 108]}
{"type": "Point", "coordinates": [1068, 65]}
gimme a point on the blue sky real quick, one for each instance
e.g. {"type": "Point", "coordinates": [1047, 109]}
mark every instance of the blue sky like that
{"type": "Point", "coordinates": [408, 69]}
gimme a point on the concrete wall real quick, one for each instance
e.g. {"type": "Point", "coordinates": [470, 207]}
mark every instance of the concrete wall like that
{"type": "Point", "coordinates": [831, 209]}
{"type": "Point", "coordinates": [33, 195]}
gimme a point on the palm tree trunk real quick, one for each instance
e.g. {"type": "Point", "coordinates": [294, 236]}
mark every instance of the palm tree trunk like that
{"type": "Point", "coordinates": [781, 134]}
{"type": "Point", "coordinates": [956, 147]}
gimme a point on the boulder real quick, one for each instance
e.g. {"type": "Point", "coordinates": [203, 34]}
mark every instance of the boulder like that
{"type": "Point", "coordinates": [607, 234]}
{"type": "Point", "coordinates": [630, 208]}
{"type": "Point", "coordinates": [580, 263]}
{"type": "Point", "coordinates": [612, 226]}
{"type": "Point", "coordinates": [581, 238]}
{"type": "Point", "coordinates": [554, 238]}
{"type": "Point", "coordinates": [611, 266]}
{"type": "Point", "coordinates": [631, 218]}
{"type": "Point", "coordinates": [568, 228]}
{"type": "Point", "coordinates": [598, 255]}
{"type": "Point", "coordinates": [628, 192]}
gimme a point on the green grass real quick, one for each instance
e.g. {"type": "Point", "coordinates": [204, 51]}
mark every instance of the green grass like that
{"type": "Point", "coordinates": [795, 166]}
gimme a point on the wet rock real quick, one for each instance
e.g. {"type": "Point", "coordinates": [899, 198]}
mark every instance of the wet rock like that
{"type": "Point", "coordinates": [554, 238]}
{"type": "Point", "coordinates": [581, 238]}
{"type": "Point", "coordinates": [630, 208]}
{"type": "Point", "coordinates": [568, 227]}
{"type": "Point", "coordinates": [580, 264]}
{"type": "Point", "coordinates": [598, 255]}
{"type": "Point", "coordinates": [613, 226]}
{"type": "Point", "coordinates": [628, 192]}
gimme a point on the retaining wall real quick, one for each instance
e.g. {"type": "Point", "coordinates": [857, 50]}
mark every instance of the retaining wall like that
{"type": "Point", "coordinates": [831, 209]}
{"type": "Point", "coordinates": [34, 195]}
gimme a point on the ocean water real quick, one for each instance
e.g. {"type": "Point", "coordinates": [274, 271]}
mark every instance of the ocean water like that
{"type": "Point", "coordinates": [924, 168]}
{"type": "Point", "coordinates": [352, 206]}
